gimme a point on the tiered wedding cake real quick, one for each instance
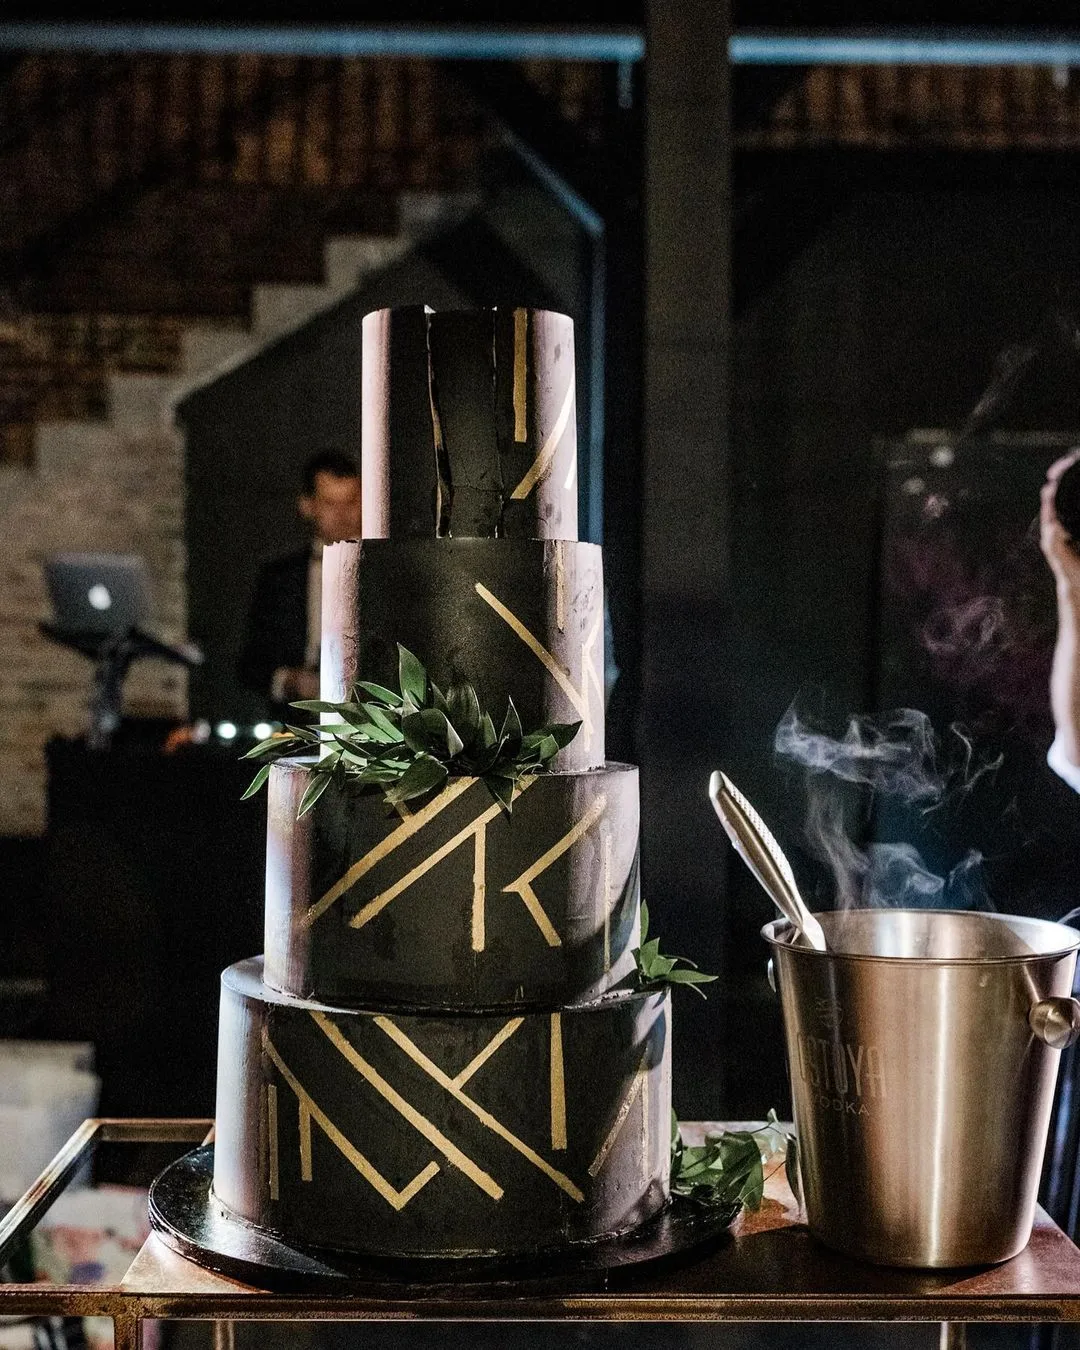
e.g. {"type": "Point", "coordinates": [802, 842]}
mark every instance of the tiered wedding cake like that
{"type": "Point", "coordinates": [444, 1051]}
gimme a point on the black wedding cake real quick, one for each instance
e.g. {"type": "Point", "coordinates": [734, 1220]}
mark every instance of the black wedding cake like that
{"type": "Point", "coordinates": [444, 1051]}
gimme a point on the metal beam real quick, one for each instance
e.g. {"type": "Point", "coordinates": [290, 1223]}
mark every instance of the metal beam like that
{"type": "Point", "coordinates": [905, 47]}
{"type": "Point", "coordinates": [442, 42]}
{"type": "Point", "coordinates": [454, 42]}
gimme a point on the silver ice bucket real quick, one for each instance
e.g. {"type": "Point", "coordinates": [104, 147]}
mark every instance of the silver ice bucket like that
{"type": "Point", "coordinates": [923, 1049]}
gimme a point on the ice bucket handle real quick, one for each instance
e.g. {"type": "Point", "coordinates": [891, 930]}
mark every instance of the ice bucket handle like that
{"type": "Point", "coordinates": [1055, 1021]}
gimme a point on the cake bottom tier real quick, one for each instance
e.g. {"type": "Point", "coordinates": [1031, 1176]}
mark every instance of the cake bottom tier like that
{"type": "Point", "coordinates": [441, 1134]}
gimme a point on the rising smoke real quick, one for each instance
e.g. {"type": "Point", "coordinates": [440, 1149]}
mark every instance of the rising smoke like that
{"type": "Point", "coordinates": [896, 759]}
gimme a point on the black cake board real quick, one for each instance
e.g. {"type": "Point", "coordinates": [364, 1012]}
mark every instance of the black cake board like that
{"type": "Point", "coordinates": [188, 1218]}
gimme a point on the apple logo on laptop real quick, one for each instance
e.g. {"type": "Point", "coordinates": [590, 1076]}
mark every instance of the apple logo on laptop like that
{"type": "Point", "coordinates": [99, 596]}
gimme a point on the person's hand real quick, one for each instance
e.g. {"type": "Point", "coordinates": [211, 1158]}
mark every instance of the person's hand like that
{"type": "Point", "coordinates": [1053, 539]}
{"type": "Point", "coordinates": [300, 683]}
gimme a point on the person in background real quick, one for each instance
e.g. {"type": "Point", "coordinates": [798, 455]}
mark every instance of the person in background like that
{"type": "Point", "coordinates": [280, 656]}
{"type": "Point", "coordinates": [1061, 553]}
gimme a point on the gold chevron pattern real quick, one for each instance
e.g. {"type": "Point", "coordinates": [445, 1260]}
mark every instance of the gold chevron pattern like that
{"type": "Point", "coordinates": [485, 1117]}
{"type": "Point", "coordinates": [521, 388]}
{"type": "Point", "coordinates": [413, 822]}
{"type": "Point", "coordinates": [545, 456]}
{"type": "Point", "coordinates": [522, 886]}
{"type": "Point", "coordinates": [580, 699]}
{"type": "Point", "coordinates": [637, 1089]}
{"type": "Point", "coordinates": [476, 830]}
{"type": "Point", "coordinates": [397, 1199]}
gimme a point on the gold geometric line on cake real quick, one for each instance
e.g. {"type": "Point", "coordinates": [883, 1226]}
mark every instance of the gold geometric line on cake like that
{"type": "Point", "coordinates": [408, 827]}
{"type": "Point", "coordinates": [431, 1133]}
{"type": "Point", "coordinates": [478, 932]}
{"type": "Point", "coordinates": [436, 434]}
{"type": "Point", "coordinates": [589, 676]}
{"type": "Point", "coordinates": [579, 699]}
{"type": "Point", "coordinates": [500, 1038]}
{"type": "Point", "coordinates": [305, 1142]}
{"type": "Point", "coordinates": [606, 836]}
{"type": "Point", "coordinates": [395, 1198]}
{"type": "Point", "coordinates": [620, 1116]}
{"type": "Point", "coordinates": [481, 1113]}
{"type": "Point", "coordinates": [558, 1086]}
{"type": "Point", "coordinates": [542, 463]}
{"type": "Point", "coordinates": [571, 474]}
{"type": "Point", "coordinates": [645, 1124]}
{"type": "Point", "coordinates": [272, 1137]}
{"type": "Point", "coordinates": [481, 822]}
{"type": "Point", "coordinates": [560, 587]}
{"type": "Point", "coordinates": [521, 388]}
{"type": "Point", "coordinates": [522, 885]}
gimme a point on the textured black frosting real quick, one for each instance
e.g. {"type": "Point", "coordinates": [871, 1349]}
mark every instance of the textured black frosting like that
{"type": "Point", "coordinates": [400, 1133]}
{"type": "Point", "coordinates": [454, 904]}
{"type": "Point", "coordinates": [520, 618]}
{"type": "Point", "coordinates": [469, 424]}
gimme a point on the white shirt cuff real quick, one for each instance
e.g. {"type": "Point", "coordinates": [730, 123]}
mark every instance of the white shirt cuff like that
{"type": "Point", "coordinates": [1063, 767]}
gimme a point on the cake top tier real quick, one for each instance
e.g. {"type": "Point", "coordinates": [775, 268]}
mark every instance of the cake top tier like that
{"type": "Point", "coordinates": [469, 424]}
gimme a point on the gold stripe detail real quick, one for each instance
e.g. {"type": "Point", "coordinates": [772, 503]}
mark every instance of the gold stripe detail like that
{"type": "Point", "coordinates": [561, 678]}
{"type": "Point", "coordinates": [522, 885]}
{"type": "Point", "coordinates": [305, 1143]}
{"type": "Point", "coordinates": [542, 463]}
{"type": "Point", "coordinates": [272, 1139]}
{"type": "Point", "coordinates": [645, 1125]}
{"type": "Point", "coordinates": [395, 839]}
{"type": "Point", "coordinates": [431, 1133]}
{"type": "Point", "coordinates": [558, 1087]}
{"type": "Point", "coordinates": [607, 899]}
{"type": "Point", "coordinates": [481, 822]}
{"type": "Point", "coordinates": [436, 428]}
{"type": "Point", "coordinates": [624, 1110]}
{"type": "Point", "coordinates": [521, 334]}
{"type": "Point", "coordinates": [560, 586]}
{"type": "Point", "coordinates": [479, 884]}
{"type": "Point", "coordinates": [500, 1038]}
{"type": "Point", "coordinates": [485, 1117]}
{"type": "Point", "coordinates": [591, 676]}
{"type": "Point", "coordinates": [395, 1198]}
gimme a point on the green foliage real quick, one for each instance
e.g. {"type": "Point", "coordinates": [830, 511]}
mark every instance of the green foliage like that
{"type": "Point", "coordinates": [727, 1172]}
{"type": "Point", "coordinates": [409, 743]}
{"type": "Point", "coordinates": [655, 970]}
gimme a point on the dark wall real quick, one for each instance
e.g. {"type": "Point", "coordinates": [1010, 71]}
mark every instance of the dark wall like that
{"type": "Point", "coordinates": [881, 313]}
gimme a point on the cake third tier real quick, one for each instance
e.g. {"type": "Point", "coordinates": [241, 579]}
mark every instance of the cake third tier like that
{"type": "Point", "coordinates": [455, 903]}
{"type": "Point", "coordinates": [519, 618]}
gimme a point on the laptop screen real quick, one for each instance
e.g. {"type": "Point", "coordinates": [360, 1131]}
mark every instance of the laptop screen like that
{"type": "Point", "coordinates": [97, 592]}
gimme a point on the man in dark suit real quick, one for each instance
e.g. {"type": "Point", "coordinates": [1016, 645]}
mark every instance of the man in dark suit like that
{"type": "Point", "coordinates": [280, 657]}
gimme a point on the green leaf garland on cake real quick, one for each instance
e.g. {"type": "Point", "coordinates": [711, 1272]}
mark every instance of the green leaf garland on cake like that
{"type": "Point", "coordinates": [655, 970]}
{"type": "Point", "coordinates": [727, 1172]}
{"type": "Point", "coordinates": [409, 742]}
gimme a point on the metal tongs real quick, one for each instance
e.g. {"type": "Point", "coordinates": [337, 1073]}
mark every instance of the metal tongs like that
{"type": "Point", "coordinates": [754, 843]}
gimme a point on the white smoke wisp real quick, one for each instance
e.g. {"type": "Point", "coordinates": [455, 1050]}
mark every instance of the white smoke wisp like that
{"type": "Point", "coordinates": [895, 756]}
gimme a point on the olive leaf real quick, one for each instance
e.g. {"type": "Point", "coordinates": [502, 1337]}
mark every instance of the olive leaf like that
{"type": "Point", "coordinates": [655, 970]}
{"type": "Point", "coordinates": [727, 1172]}
{"type": "Point", "coordinates": [409, 743]}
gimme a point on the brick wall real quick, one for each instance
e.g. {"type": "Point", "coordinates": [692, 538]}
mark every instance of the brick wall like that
{"type": "Point", "coordinates": [93, 487]}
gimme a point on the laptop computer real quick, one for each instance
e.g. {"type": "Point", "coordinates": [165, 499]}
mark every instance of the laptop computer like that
{"type": "Point", "coordinates": [97, 593]}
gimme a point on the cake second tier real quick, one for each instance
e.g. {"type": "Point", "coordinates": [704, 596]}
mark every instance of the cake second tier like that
{"type": "Point", "coordinates": [518, 618]}
{"type": "Point", "coordinates": [453, 903]}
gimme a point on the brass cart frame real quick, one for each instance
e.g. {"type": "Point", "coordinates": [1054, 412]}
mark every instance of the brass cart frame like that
{"type": "Point", "coordinates": [771, 1271]}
